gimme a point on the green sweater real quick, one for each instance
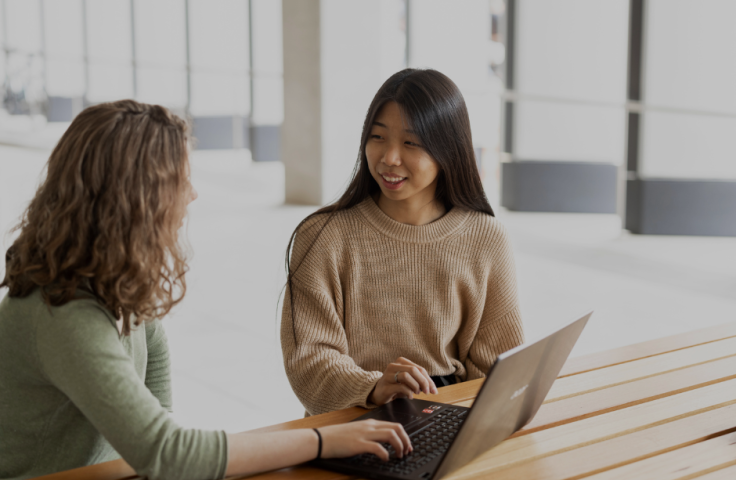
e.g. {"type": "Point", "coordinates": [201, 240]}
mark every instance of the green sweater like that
{"type": "Point", "coordinates": [74, 392]}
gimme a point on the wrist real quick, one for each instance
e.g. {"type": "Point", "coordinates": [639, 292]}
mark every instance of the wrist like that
{"type": "Point", "coordinates": [372, 395]}
{"type": "Point", "coordinates": [319, 444]}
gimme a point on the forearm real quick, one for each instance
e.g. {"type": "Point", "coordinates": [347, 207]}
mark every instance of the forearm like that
{"type": "Point", "coordinates": [250, 453]}
{"type": "Point", "coordinates": [333, 386]}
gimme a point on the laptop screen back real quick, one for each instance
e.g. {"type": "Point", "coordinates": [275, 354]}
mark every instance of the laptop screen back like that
{"type": "Point", "coordinates": [515, 388]}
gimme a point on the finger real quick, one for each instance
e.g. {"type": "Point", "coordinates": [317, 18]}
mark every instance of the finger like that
{"type": "Point", "coordinates": [405, 361]}
{"type": "Point", "coordinates": [419, 373]}
{"type": "Point", "coordinates": [422, 382]}
{"type": "Point", "coordinates": [403, 391]}
{"type": "Point", "coordinates": [405, 378]}
{"type": "Point", "coordinates": [377, 450]}
{"type": "Point", "coordinates": [389, 435]}
{"type": "Point", "coordinates": [432, 386]}
{"type": "Point", "coordinates": [399, 429]}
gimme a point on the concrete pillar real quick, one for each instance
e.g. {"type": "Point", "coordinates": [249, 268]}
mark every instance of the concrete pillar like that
{"type": "Point", "coordinates": [335, 59]}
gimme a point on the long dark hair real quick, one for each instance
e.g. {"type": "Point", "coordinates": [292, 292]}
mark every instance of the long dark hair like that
{"type": "Point", "coordinates": [435, 110]}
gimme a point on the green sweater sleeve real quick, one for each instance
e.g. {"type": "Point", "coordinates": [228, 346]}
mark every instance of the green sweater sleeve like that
{"type": "Point", "coordinates": [80, 351]}
{"type": "Point", "coordinates": [158, 368]}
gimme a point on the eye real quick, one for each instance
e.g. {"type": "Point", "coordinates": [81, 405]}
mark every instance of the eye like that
{"type": "Point", "coordinates": [412, 144]}
{"type": "Point", "coordinates": [376, 137]}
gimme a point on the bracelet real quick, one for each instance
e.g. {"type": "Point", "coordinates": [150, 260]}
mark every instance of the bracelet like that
{"type": "Point", "coordinates": [319, 448]}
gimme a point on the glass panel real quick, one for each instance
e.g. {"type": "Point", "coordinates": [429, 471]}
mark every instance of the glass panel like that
{"type": "Point", "coordinates": [690, 61]}
{"type": "Point", "coordinates": [64, 44]}
{"type": "Point", "coordinates": [215, 93]}
{"type": "Point", "coordinates": [24, 25]}
{"type": "Point", "coordinates": [160, 33]}
{"type": "Point", "coordinates": [452, 37]}
{"type": "Point", "coordinates": [3, 60]}
{"type": "Point", "coordinates": [166, 87]}
{"type": "Point", "coordinates": [688, 146]}
{"type": "Point", "coordinates": [63, 28]}
{"type": "Point", "coordinates": [268, 99]}
{"type": "Point", "coordinates": [569, 132]}
{"type": "Point", "coordinates": [65, 78]}
{"type": "Point", "coordinates": [573, 49]}
{"type": "Point", "coordinates": [392, 37]}
{"type": "Point", "coordinates": [109, 31]}
{"type": "Point", "coordinates": [109, 82]}
{"type": "Point", "coordinates": [218, 35]}
{"type": "Point", "coordinates": [268, 83]}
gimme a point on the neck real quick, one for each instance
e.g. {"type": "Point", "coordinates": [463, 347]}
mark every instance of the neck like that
{"type": "Point", "coordinates": [420, 211]}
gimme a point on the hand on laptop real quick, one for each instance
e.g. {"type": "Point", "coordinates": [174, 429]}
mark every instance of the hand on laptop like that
{"type": "Point", "coordinates": [402, 379]}
{"type": "Point", "coordinates": [353, 438]}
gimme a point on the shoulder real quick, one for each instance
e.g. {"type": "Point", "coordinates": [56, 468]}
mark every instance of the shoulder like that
{"type": "Point", "coordinates": [80, 320]}
{"type": "Point", "coordinates": [323, 233]}
{"type": "Point", "coordinates": [486, 229]}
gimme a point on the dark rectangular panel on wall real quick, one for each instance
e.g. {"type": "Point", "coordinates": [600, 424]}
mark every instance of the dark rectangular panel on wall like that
{"type": "Point", "coordinates": [265, 142]}
{"type": "Point", "coordinates": [221, 132]}
{"type": "Point", "coordinates": [681, 207]}
{"type": "Point", "coordinates": [63, 109]}
{"type": "Point", "coordinates": [575, 187]}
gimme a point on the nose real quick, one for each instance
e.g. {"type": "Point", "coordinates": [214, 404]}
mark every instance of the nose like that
{"type": "Point", "coordinates": [392, 156]}
{"type": "Point", "coordinates": [193, 194]}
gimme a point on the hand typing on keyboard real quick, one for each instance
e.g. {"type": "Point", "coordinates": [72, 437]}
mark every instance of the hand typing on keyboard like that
{"type": "Point", "coordinates": [372, 437]}
{"type": "Point", "coordinates": [429, 442]}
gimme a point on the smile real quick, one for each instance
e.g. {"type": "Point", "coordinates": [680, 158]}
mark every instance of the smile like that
{"type": "Point", "coordinates": [392, 179]}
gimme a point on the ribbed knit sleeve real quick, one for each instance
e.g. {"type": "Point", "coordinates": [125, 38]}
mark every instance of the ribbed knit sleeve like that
{"type": "Point", "coordinates": [500, 328]}
{"type": "Point", "coordinates": [158, 368]}
{"type": "Point", "coordinates": [318, 364]}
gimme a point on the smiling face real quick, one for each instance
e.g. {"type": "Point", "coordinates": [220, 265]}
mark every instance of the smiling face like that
{"type": "Point", "coordinates": [397, 160]}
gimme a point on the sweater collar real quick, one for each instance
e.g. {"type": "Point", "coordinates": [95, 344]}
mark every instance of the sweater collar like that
{"type": "Point", "coordinates": [431, 232]}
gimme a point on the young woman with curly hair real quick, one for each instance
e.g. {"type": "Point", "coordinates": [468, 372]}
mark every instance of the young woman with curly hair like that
{"type": "Point", "coordinates": [406, 282]}
{"type": "Point", "coordinates": [84, 363]}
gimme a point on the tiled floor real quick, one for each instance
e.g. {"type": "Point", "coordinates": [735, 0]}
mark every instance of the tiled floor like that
{"type": "Point", "coordinates": [224, 336]}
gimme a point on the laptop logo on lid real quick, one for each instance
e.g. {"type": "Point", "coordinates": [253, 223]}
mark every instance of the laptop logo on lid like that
{"type": "Point", "coordinates": [518, 392]}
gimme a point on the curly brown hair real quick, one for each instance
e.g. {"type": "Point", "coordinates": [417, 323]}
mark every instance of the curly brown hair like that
{"type": "Point", "coordinates": [106, 218]}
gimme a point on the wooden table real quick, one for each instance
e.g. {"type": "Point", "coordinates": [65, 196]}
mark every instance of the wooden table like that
{"type": "Point", "coordinates": [663, 409]}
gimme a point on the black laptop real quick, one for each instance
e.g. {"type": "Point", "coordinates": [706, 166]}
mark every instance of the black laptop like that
{"type": "Point", "coordinates": [446, 437]}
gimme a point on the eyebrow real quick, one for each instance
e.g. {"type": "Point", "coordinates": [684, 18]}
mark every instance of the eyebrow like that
{"type": "Point", "coordinates": [379, 124]}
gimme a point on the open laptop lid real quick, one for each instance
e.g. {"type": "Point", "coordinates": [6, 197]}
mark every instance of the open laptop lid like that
{"type": "Point", "coordinates": [515, 388]}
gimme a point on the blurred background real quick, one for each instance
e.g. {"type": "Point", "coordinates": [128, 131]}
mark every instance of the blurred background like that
{"type": "Point", "coordinates": [604, 130]}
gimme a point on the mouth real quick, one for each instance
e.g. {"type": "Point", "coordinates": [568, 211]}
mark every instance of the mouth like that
{"type": "Point", "coordinates": [392, 181]}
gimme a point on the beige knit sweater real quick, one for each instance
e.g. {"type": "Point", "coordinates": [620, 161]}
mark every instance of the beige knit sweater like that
{"type": "Point", "coordinates": [372, 289]}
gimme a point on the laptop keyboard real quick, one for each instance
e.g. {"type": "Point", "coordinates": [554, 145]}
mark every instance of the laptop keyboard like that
{"type": "Point", "coordinates": [430, 441]}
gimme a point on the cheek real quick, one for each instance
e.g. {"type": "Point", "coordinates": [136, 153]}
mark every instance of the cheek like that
{"type": "Point", "coordinates": [373, 155]}
{"type": "Point", "coordinates": [430, 169]}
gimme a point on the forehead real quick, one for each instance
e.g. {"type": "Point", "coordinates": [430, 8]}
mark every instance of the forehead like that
{"type": "Point", "coordinates": [393, 117]}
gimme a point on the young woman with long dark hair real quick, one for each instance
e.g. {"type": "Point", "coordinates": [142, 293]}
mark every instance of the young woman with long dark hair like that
{"type": "Point", "coordinates": [84, 362]}
{"type": "Point", "coordinates": [408, 280]}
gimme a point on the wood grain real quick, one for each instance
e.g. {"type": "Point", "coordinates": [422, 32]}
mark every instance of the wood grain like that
{"type": "Point", "coordinates": [640, 369]}
{"type": "Point", "coordinates": [114, 470]}
{"type": "Point", "coordinates": [630, 394]}
{"type": "Point", "coordinates": [544, 443]}
{"type": "Point", "coordinates": [650, 348]}
{"type": "Point", "coordinates": [688, 461]}
{"type": "Point", "coordinates": [727, 473]}
{"type": "Point", "coordinates": [618, 451]}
